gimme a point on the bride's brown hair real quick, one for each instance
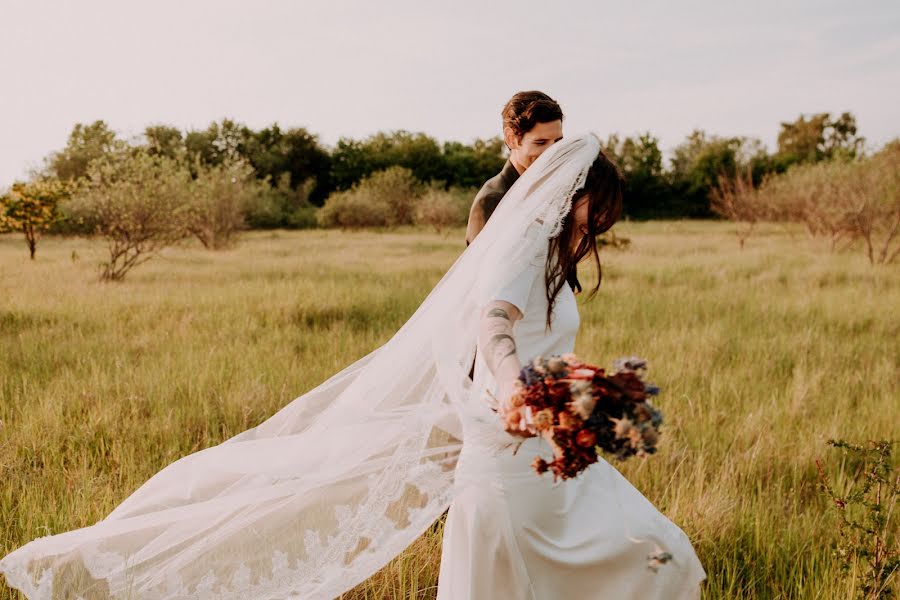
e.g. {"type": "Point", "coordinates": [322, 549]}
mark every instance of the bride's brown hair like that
{"type": "Point", "coordinates": [604, 187]}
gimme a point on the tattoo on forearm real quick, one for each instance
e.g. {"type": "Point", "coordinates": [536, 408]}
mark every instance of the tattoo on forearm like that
{"type": "Point", "coordinates": [498, 312]}
{"type": "Point", "coordinates": [500, 347]}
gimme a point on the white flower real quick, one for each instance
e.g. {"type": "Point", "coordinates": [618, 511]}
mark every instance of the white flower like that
{"type": "Point", "coordinates": [582, 404]}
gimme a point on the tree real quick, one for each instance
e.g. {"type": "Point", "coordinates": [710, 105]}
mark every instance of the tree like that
{"type": "Point", "coordinates": [647, 192]}
{"type": "Point", "coordinates": [219, 198]}
{"type": "Point", "coordinates": [850, 201]}
{"type": "Point", "coordinates": [164, 140]}
{"type": "Point", "coordinates": [697, 165]}
{"type": "Point", "coordinates": [219, 142]}
{"type": "Point", "coordinates": [818, 138]}
{"type": "Point", "coordinates": [138, 202]}
{"type": "Point", "coordinates": [86, 143]}
{"type": "Point", "coordinates": [470, 165]}
{"type": "Point", "coordinates": [273, 152]}
{"type": "Point", "coordinates": [281, 206]}
{"type": "Point", "coordinates": [32, 208]}
{"type": "Point", "coordinates": [353, 160]}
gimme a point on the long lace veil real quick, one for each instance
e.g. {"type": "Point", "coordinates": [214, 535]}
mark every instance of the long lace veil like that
{"type": "Point", "coordinates": [325, 492]}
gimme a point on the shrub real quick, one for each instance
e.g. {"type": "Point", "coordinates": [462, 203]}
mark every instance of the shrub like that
{"type": "Point", "coordinates": [282, 206]}
{"type": "Point", "coordinates": [219, 197]}
{"type": "Point", "coordinates": [735, 199]}
{"type": "Point", "coordinates": [137, 202]}
{"type": "Point", "coordinates": [350, 210]}
{"type": "Point", "coordinates": [851, 202]}
{"type": "Point", "coordinates": [866, 504]}
{"type": "Point", "coordinates": [444, 208]}
{"type": "Point", "coordinates": [387, 197]}
{"type": "Point", "coordinates": [32, 208]}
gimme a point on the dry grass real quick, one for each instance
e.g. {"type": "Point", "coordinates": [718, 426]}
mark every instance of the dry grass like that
{"type": "Point", "coordinates": [762, 354]}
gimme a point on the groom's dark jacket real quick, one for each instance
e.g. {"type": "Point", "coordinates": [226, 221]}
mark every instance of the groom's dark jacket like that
{"type": "Point", "coordinates": [486, 201]}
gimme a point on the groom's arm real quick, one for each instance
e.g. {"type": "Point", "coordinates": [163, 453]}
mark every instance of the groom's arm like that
{"type": "Point", "coordinates": [482, 207]}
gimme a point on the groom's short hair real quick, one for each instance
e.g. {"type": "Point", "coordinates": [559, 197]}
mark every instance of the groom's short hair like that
{"type": "Point", "coordinates": [526, 109]}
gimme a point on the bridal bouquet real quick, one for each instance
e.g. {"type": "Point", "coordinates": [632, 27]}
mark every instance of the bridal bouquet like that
{"type": "Point", "coordinates": [581, 410]}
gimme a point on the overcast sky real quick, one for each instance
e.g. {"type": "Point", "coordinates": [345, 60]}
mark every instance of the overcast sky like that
{"type": "Point", "coordinates": [444, 68]}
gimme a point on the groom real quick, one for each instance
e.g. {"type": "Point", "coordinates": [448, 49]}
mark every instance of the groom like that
{"type": "Point", "coordinates": [532, 122]}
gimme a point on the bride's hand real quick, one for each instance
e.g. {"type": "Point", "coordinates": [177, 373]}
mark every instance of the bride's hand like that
{"type": "Point", "coordinates": [513, 417]}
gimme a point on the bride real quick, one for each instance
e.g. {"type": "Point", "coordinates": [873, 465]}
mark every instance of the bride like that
{"type": "Point", "coordinates": [321, 495]}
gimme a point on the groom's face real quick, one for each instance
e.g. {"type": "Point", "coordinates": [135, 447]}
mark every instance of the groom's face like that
{"type": "Point", "coordinates": [525, 150]}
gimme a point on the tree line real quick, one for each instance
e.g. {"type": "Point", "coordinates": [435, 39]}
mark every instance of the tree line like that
{"type": "Point", "coordinates": [295, 158]}
{"type": "Point", "coordinates": [166, 184]}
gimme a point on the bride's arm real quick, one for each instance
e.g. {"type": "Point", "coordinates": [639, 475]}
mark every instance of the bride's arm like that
{"type": "Point", "coordinates": [497, 345]}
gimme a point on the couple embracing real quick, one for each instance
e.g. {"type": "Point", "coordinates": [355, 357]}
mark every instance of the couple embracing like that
{"type": "Point", "coordinates": [322, 494]}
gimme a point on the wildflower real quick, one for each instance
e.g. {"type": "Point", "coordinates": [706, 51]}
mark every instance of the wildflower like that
{"type": "Point", "coordinates": [540, 465]}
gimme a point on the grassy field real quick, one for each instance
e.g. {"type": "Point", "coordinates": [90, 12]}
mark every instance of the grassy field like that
{"type": "Point", "coordinates": [762, 355]}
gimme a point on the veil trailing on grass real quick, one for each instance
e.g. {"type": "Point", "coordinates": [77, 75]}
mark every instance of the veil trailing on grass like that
{"type": "Point", "coordinates": [318, 497]}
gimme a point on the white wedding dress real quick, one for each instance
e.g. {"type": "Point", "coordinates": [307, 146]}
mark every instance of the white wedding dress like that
{"type": "Point", "coordinates": [511, 534]}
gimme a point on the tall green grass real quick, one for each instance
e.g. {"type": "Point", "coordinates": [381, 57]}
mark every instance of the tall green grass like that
{"type": "Point", "coordinates": [762, 355]}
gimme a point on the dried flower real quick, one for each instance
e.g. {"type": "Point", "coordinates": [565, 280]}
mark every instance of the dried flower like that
{"type": "Point", "coordinates": [543, 420]}
{"type": "Point", "coordinates": [623, 427]}
{"type": "Point", "coordinates": [586, 438]}
{"type": "Point", "coordinates": [641, 413]}
{"type": "Point", "coordinates": [571, 359]}
{"type": "Point", "coordinates": [540, 465]}
{"type": "Point", "coordinates": [630, 363]}
{"type": "Point", "coordinates": [568, 421]}
{"type": "Point", "coordinates": [583, 405]}
{"type": "Point", "coordinates": [580, 386]}
{"type": "Point", "coordinates": [556, 366]}
{"type": "Point", "coordinates": [582, 373]}
{"type": "Point", "coordinates": [635, 438]}
{"type": "Point", "coordinates": [513, 418]}
{"type": "Point", "coordinates": [650, 436]}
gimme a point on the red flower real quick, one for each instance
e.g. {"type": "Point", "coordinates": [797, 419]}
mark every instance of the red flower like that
{"type": "Point", "coordinates": [586, 438]}
{"type": "Point", "coordinates": [568, 421]}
